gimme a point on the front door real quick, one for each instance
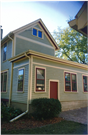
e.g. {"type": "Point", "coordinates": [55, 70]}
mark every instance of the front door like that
{"type": "Point", "coordinates": [53, 89]}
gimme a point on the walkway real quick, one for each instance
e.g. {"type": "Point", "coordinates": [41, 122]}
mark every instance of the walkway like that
{"type": "Point", "coordinates": [77, 115]}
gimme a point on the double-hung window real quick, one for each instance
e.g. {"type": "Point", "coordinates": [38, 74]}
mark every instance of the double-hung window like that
{"type": "Point", "coordinates": [37, 33]}
{"type": "Point", "coordinates": [4, 51]}
{"type": "Point", "coordinates": [4, 81]}
{"type": "Point", "coordinates": [40, 79]}
{"type": "Point", "coordinates": [85, 83]}
{"type": "Point", "coordinates": [20, 79]}
{"type": "Point", "coordinates": [70, 82]}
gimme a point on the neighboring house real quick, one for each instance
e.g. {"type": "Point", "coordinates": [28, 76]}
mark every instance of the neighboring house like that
{"type": "Point", "coordinates": [80, 23]}
{"type": "Point", "coordinates": [29, 70]}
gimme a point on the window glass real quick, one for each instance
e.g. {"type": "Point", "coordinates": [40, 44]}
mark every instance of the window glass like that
{"type": "Point", "coordinates": [34, 32]}
{"type": "Point", "coordinates": [40, 34]}
{"type": "Point", "coordinates": [40, 74]}
{"type": "Point", "coordinates": [85, 85]}
{"type": "Point", "coordinates": [3, 81]}
{"type": "Point", "coordinates": [20, 79]}
{"type": "Point", "coordinates": [4, 52]}
{"type": "Point", "coordinates": [74, 87]}
{"type": "Point", "coordinates": [67, 82]}
{"type": "Point", "coordinates": [40, 79]}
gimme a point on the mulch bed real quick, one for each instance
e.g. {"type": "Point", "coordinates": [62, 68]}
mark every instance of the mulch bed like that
{"type": "Point", "coordinates": [28, 123]}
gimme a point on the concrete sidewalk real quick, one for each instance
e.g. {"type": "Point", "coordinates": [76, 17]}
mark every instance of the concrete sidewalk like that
{"type": "Point", "coordinates": [77, 115]}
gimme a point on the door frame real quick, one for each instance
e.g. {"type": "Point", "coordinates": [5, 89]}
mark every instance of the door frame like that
{"type": "Point", "coordinates": [51, 80]}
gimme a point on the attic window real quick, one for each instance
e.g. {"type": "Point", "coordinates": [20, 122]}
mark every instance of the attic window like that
{"type": "Point", "coordinates": [37, 33]}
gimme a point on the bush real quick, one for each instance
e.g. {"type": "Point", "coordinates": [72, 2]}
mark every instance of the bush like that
{"type": "Point", "coordinates": [45, 108]}
{"type": "Point", "coordinates": [8, 113]}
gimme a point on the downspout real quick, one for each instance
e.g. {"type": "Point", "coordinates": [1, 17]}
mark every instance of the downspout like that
{"type": "Point", "coordinates": [27, 99]}
{"type": "Point", "coordinates": [11, 73]}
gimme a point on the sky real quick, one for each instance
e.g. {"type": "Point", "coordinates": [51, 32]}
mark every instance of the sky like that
{"type": "Point", "coordinates": [54, 14]}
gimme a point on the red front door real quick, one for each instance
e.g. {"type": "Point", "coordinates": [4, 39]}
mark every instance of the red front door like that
{"type": "Point", "coordinates": [54, 90]}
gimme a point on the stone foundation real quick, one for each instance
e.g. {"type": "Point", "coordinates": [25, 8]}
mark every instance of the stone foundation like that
{"type": "Point", "coordinates": [71, 105]}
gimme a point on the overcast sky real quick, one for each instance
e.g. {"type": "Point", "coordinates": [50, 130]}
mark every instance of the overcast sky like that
{"type": "Point", "coordinates": [15, 14]}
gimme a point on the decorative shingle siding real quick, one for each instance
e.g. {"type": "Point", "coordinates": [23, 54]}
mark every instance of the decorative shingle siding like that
{"type": "Point", "coordinates": [18, 96]}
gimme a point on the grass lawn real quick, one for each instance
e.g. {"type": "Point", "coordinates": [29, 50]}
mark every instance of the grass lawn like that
{"type": "Point", "coordinates": [63, 127]}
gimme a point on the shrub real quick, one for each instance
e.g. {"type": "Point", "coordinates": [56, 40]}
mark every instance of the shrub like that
{"type": "Point", "coordinates": [45, 108]}
{"type": "Point", "coordinates": [8, 113]}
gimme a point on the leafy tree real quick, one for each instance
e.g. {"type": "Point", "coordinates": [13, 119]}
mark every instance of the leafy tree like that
{"type": "Point", "coordinates": [72, 45]}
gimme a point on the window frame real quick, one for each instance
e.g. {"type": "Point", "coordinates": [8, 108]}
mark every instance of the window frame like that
{"type": "Point", "coordinates": [71, 73]}
{"type": "Point", "coordinates": [40, 91]}
{"type": "Point", "coordinates": [6, 52]}
{"type": "Point", "coordinates": [37, 32]}
{"type": "Point", "coordinates": [83, 83]}
{"type": "Point", "coordinates": [21, 91]}
{"type": "Point", "coordinates": [6, 71]}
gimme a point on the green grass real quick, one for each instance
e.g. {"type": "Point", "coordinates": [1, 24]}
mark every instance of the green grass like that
{"type": "Point", "coordinates": [63, 127]}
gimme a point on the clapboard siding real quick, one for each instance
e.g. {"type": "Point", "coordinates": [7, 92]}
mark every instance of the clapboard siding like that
{"type": "Point", "coordinates": [58, 74]}
{"type": "Point", "coordinates": [17, 96]}
{"type": "Point", "coordinates": [28, 34]}
{"type": "Point", "coordinates": [23, 45]}
{"type": "Point", "coordinates": [6, 65]}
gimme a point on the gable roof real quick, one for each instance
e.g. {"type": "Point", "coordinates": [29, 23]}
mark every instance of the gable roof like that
{"type": "Point", "coordinates": [29, 25]}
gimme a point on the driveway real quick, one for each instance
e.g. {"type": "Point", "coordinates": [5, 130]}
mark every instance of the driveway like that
{"type": "Point", "coordinates": [77, 115]}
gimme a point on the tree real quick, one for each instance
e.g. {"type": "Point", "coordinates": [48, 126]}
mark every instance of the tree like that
{"type": "Point", "coordinates": [72, 45]}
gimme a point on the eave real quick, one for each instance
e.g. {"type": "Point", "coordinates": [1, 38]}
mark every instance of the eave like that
{"type": "Point", "coordinates": [80, 23]}
{"type": "Point", "coordinates": [48, 57]}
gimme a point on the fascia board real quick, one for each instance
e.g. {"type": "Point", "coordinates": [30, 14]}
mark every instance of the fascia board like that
{"type": "Point", "coordinates": [58, 59]}
{"type": "Point", "coordinates": [57, 48]}
{"type": "Point", "coordinates": [25, 26]}
{"type": "Point", "coordinates": [53, 58]}
{"type": "Point", "coordinates": [5, 39]}
{"type": "Point", "coordinates": [73, 22]}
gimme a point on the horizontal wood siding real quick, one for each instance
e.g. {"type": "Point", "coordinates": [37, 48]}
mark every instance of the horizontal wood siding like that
{"type": "Point", "coordinates": [28, 34]}
{"type": "Point", "coordinates": [23, 45]}
{"type": "Point", "coordinates": [58, 74]}
{"type": "Point", "coordinates": [17, 96]}
{"type": "Point", "coordinates": [7, 65]}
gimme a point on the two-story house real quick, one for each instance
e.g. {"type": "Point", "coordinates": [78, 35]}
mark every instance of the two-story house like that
{"type": "Point", "coordinates": [29, 70]}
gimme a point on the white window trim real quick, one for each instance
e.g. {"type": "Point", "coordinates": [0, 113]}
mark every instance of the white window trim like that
{"type": "Point", "coordinates": [7, 80]}
{"type": "Point", "coordinates": [23, 80]}
{"type": "Point", "coordinates": [37, 32]}
{"type": "Point", "coordinates": [35, 80]}
{"type": "Point", "coordinates": [71, 81]}
{"type": "Point", "coordinates": [83, 83]}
